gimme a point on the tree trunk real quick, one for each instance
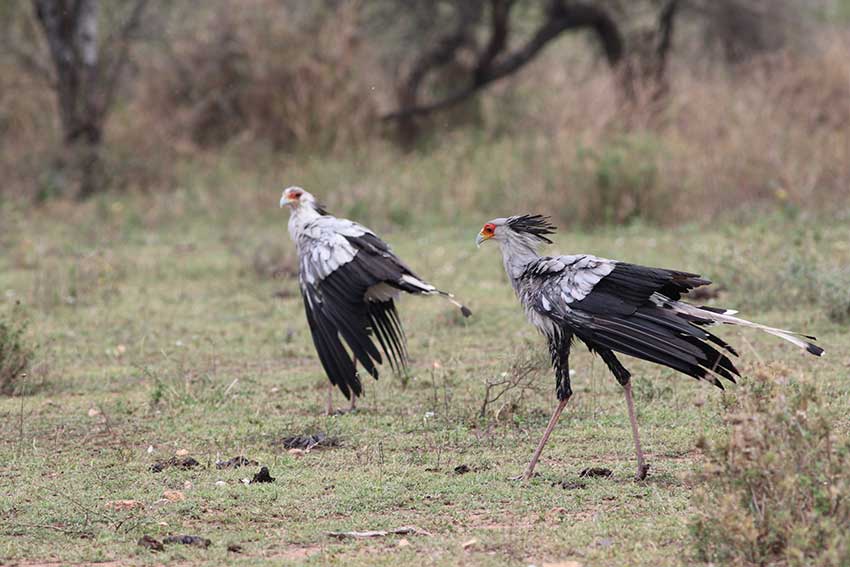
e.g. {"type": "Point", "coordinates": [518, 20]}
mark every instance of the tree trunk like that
{"type": "Point", "coordinates": [71, 30]}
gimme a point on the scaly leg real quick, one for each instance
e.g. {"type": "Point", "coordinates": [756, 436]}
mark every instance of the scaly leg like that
{"type": "Point", "coordinates": [353, 405]}
{"type": "Point", "coordinates": [642, 467]}
{"type": "Point", "coordinates": [529, 471]}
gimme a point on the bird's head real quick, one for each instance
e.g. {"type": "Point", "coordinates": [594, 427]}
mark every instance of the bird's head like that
{"type": "Point", "coordinates": [295, 197]}
{"type": "Point", "coordinates": [529, 228]}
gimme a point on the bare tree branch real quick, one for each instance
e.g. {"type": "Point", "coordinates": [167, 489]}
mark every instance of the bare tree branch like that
{"type": "Point", "coordinates": [443, 52]}
{"type": "Point", "coordinates": [666, 23]}
{"type": "Point", "coordinates": [30, 62]}
{"type": "Point", "coordinates": [561, 16]}
{"type": "Point", "coordinates": [120, 45]}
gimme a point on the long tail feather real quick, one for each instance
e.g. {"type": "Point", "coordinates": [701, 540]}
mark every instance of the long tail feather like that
{"type": "Point", "coordinates": [451, 299]}
{"type": "Point", "coordinates": [726, 318]}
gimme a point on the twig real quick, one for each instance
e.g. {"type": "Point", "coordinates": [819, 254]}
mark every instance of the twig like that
{"type": "Point", "coordinates": [21, 417]}
{"type": "Point", "coordinates": [57, 528]}
{"type": "Point", "coordinates": [404, 530]}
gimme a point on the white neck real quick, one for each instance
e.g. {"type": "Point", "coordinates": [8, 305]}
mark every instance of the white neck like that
{"type": "Point", "coordinates": [517, 252]}
{"type": "Point", "coordinates": [299, 216]}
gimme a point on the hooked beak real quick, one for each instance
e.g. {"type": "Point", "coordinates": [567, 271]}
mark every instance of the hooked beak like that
{"type": "Point", "coordinates": [283, 201]}
{"type": "Point", "coordinates": [480, 239]}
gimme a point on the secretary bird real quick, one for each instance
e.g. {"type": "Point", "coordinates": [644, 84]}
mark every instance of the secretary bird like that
{"type": "Point", "coordinates": [614, 307]}
{"type": "Point", "coordinates": [349, 282]}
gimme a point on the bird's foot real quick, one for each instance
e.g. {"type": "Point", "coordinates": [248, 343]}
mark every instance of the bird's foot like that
{"type": "Point", "coordinates": [524, 476]}
{"type": "Point", "coordinates": [343, 411]}
{"type": "Point", "coordinates": [642, 472]}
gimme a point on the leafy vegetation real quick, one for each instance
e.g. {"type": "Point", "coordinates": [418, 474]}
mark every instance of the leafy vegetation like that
{"type": "Point", "coordinates": [15, 352]}
{"type": "Point", "coordinates": [776, 490]}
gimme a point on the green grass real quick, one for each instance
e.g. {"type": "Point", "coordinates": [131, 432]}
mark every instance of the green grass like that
{"type": "Point", "coordinates": [155, 330]}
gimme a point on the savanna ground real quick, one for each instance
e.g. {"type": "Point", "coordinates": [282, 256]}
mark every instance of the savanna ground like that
{"type": "Point", "coordinates": [165, 325]}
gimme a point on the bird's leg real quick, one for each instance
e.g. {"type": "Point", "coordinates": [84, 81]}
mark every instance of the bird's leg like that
{"type": "Point", "coordinates": [624, 377]}
{"type": "Point", "coordinates": [642, 467]}
{"type": "Point", "coordinates": [529, 471]}
{"type": "Point", "coordinates": [330, 407]}
{"type": "Point", "coordinates": [559, 349]}
{"type": "Point", "coordinates": [353, 405]}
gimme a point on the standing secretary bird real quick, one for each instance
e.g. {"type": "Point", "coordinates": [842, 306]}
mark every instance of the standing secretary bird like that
{"type": "Point", "coordinates": [349, 281]}
{"type": "Point", "coordinates": [614, 307]}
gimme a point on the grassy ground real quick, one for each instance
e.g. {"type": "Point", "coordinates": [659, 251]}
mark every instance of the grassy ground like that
{"type": "Point", "coordinates": [159, 336]}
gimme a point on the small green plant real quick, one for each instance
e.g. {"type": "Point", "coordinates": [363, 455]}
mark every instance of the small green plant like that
{"type": "Point", "coordinates": [622, 180]}
{"type": "Point", "coordinates": [776, 489]}
{"type": "Point", "coordinates": [835, 295]}
{"type": "Point", "coordinates": [15, 352]}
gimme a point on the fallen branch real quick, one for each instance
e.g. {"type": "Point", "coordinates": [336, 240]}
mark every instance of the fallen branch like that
{"type": "Point", "coordinates": [404, 530]}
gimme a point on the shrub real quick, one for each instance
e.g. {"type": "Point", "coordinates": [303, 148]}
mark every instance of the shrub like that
{"type": "Point", "coordinates": [15, 352]}
{"type": "Point", "coordinates": [621, 182]}
{"type": "Point", "coordinates": [834, 293]}
{"type": "Point", "coordinates": [264, 73]}
{"type": "Point", "coordinates": [795, 268]}
{"type": "Point", "coordinates": [776, 490]}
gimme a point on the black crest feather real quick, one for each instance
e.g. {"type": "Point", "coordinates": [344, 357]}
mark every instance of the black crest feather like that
{"type": "Point", "coordinates": [536, 225]}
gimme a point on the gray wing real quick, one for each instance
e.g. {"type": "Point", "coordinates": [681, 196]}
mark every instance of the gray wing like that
{"type": "Point", "coordinates": [555, 283]}
{"type": "Point", "coordinates": [349, 279]}
{"type": "Point", "coordinates": [626, 308]}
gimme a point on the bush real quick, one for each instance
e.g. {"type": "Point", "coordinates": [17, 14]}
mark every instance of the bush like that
{"type": "Point", "coordinates": [15, 353]}
{"type": "Point", "coordinates": [264, 73]}
{"type": "Point", "coordinates": [776, 490]}
{"type": "Point", "coordinates": [792, 269]}
{"type": "Point", "coordinates": [621, 180]}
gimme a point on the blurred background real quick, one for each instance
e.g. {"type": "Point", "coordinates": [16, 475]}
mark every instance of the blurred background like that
{"type": "Point", "coordinates": [595, 111]}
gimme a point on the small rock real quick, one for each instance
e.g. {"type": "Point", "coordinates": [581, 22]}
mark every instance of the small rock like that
{"type": "Point", "coordinates": [319, 439]}
{"type": "Point", "coordinates": [181, 452]}
{"type": "Point", "coordinates": [297, 453]}
{"type": "Point", "coordinates": [196, 541]}
{"type": "Point", "coordinates": [235, 463]}
{"type": "Point", "coordinates": [150, 543]}
{"type": "Point", "coordinates": [570, 484]}
{"type": "Point", "coordinates": [403, 542]}
{"type": "Point", "coordinates": [468, 543]}
{"type": "Point", "coordinates": [94, 412]}
{"type": "Point", "coordinates": [220, 483]}
{"type": "Point", "coordinates": [184, 463]}
{"type": "Point", "coordinates": [592, 472]}
{"type": "Point", "coordinates": [262, 476]}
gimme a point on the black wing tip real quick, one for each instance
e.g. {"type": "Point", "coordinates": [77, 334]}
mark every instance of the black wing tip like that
{"type": "Point", "coordinates": [535, 225]}
{"type": "Point", "coordinates": [814, 349]}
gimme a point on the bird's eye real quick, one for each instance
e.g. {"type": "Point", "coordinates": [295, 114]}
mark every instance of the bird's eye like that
{"type": "Point", "coordinates": [296, 194]}
{"type": "Point", "coordinates": [488, 229]}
